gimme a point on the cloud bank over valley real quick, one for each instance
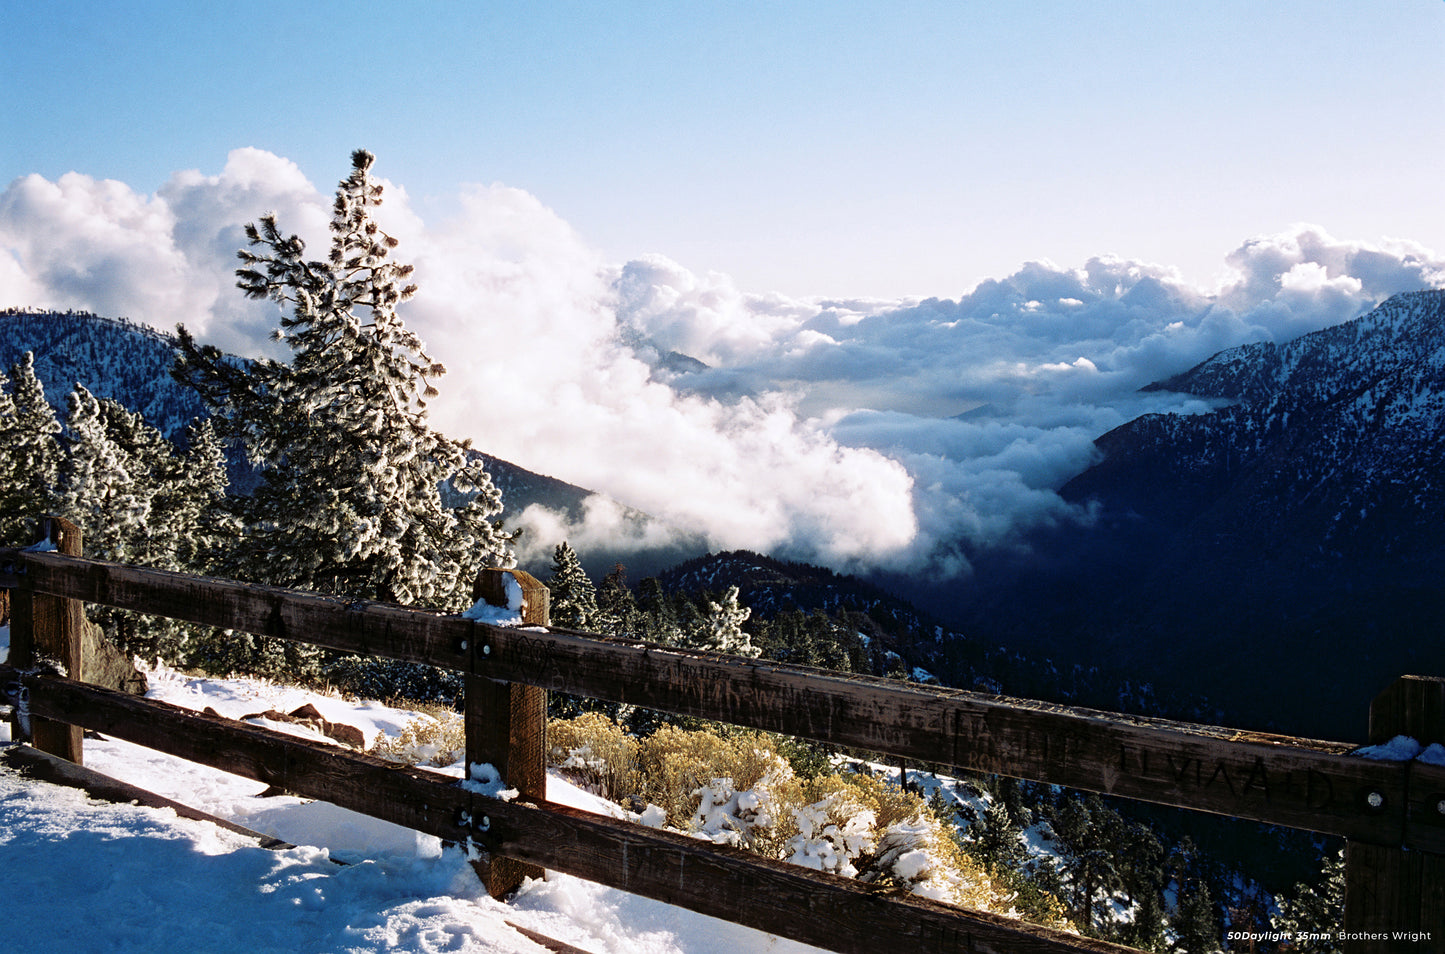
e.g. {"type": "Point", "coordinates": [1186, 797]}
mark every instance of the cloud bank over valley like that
{"type": "Point", "coordinates": [852, 433]}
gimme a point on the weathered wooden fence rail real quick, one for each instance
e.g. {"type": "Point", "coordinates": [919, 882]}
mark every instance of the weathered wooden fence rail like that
{"type": "Point", "coordinates": [727, 883]}
{"type": "Point", "coordinates": [1393, 813]}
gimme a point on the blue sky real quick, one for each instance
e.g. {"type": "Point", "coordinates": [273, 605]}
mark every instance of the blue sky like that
{"type": "Point", "coordinates": [810, 148]}
{"type": "Point", "coordinates": [866, 220]}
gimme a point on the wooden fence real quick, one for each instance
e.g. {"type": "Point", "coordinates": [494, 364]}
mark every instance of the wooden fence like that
{"type": "Point", "coordinates": [1391, 812]}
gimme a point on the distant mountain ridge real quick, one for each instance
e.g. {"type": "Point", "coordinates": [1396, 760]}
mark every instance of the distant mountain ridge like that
{"type": "Point", "coordinates": [1402, 336]}
{"type": "Point", "coordinates": [1285, 552]}
{"type": "Point", "coordinates": [113, 357]}
{"type": "Point", "coordinates": [1336, 439]}
{"type": "Point", "coordinates": [770, 586]}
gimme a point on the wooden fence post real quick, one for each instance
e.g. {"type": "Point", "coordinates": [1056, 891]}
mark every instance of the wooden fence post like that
{"type": "Point", "coordinates": [48, 626]}
{"type": "Point", "coordinates": [506, 723]}
{"type": "Point", "coordinates": [1390, 890]}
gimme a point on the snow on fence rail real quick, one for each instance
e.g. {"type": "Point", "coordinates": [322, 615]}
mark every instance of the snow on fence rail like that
{"type": "Point", "coordinates": [1392, 812]}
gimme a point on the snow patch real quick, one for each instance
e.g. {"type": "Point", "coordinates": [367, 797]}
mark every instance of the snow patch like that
{"type": "Point", "coordinates": [510, 615]}
{"type": "Point", "coordinates": [1434, 754]}
{"type": "Point", "coordinates": [403, 892]}
{"type": "Point", "coordinates": [484, 779]}
{"type": "Point", "coordinates": [1401, 748]}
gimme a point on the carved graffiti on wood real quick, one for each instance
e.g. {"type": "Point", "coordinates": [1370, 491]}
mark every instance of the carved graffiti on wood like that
{"type": "Point", "coordinates": [1253, 780]}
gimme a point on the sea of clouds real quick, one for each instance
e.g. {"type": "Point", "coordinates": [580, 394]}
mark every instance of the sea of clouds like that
{"type": "Point", "coordinates": [852, 433]}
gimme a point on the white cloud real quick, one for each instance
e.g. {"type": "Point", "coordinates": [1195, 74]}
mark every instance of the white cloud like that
{"type": "Point", "coordinates": [1304, 278]}
{"type": "Point", "coordinates": [603, 526]}
{"type": "Point", "coordinates": [94, 244]}
{"type": "Point", "coordinates": [209, 214]}
{"type": "Point", "coordinates": [165, 259]}
{"type": "Point", "coordinates": [824, 430]}
{"type": "Point", "coordinates": [1079, 364]}
{"type": "Point", "coordinates": [17, 288]}
{"type": "Point", "coordinates": [525, 317]}
{"type": "Point", "coordinates": [1057, 353]}
{"type": "Point", "coordinates": [1311, 278]}
{"type": "Point", "coordinates": [706, 316]}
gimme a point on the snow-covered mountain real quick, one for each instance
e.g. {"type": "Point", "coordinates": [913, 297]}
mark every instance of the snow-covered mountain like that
{"type": "Point", "coordinates": [1337, 435]}
{"type": "Point", "coordinates": [114, 358]}
{"type": "Point", "coordinates": [1283, 553]}
{"type": "Point", "coordinates": [1329, 459]}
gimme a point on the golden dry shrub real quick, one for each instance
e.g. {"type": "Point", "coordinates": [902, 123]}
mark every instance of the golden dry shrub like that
{"type": "Point", "coordinates": [772, 792]}
{"type": "Point", "coordinates": [435, 737]}
{"type": "Point", "coordinates": [674, 763]}
{"type": "Point", "coordinates": [677, 763]}
{"type": "Point", "coordinates": [843, 794]}
{"type": "Point", "coordinates": [595, 753]}
{"type": "Point", "coordinates": [891, 803]}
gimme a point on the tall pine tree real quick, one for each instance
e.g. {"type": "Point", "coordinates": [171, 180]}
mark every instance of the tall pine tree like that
{"type": "Point", "coordinates": [196, 502]}
{"type": "Point", "coordinates": [1316, 910]}
{"type": "Point", "coordinates": [30, 453]}
{"type": "Point", "coordinates": [104, 486]}
{"type": "Point", "coordinates": [617, 613]}
{"type": "Point", "coordinates": [351, 499]}
{"type": "Point", "coordinates": [574, 598]}
{"type": "Point", "coordinates": [1195, 923]}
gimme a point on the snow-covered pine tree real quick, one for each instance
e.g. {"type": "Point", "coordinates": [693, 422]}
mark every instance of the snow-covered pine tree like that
{"type": "Point", "coordinates": [1196, 927]}
{"type": "Point", "coordinates": [30, 453]}
{"type": "Point", "coordinates": [195, 502]}
{"type": "Point", "coordinates": [617, 613]}
{"type": "Point", "coordinates": [13, 503]}
{"type": "Point", "coordinates": [140, 501]}
{"type": "Point", "coordinates": [1316, 910]}
{"type": "Point", "coordinates": [1089, 833]}
{"type": "Point", "coordinates": [350, 501]}
{"type": "Point", "coordinates": [723, 627]}
{"type": "Point", "coordinates": [1000, 840]}
{"type": "Point", "coordinates": [1195, 923]}
{"type": "Point", "coordinates": [574, 598]}
{"type": "Point", "coordinates": [103, 489]}
{"type": "Point", "coordinates": [10, 464]}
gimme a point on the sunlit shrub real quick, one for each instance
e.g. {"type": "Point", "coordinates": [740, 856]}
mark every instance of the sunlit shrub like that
{"type": "Point", "coordinates": [596, 753]}
{"type": "Point", "coordinates": [436, 737]}
{"type": "Point", "coordinates": [677, 764]}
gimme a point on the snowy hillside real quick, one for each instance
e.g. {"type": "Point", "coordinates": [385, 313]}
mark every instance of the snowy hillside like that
{"type": "Point", "coordinates": [122, 360]}
{"type": "Point", "coordinates": [1346, 425]}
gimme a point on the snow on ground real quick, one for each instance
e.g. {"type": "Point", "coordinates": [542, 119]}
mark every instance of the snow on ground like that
{"type": "Point", "coordinates": [83, 876]}
{"type": "Point", "coordinates": [87, 876]}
